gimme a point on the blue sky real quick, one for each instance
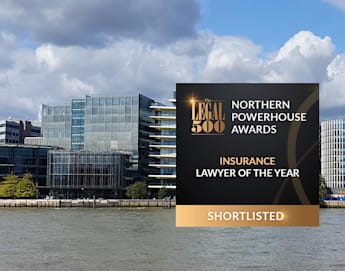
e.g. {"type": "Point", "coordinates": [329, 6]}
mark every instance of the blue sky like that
{"type": "Point", "coordinates": [270, 22]}
{"type": "Point", "coordinates": [53, 51]}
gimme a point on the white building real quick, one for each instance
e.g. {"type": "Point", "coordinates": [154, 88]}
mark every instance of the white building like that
{"type": "Point", "coordinates": [163, 151]}
{"type": "Point", "coordinates": [332, 140]}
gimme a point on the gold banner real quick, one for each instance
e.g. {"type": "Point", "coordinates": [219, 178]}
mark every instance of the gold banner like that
{"type": "Point", "coordinates": [246, 215]}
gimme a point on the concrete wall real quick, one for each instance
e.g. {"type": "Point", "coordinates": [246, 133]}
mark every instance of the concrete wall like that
{"type": "Point", "coordinates": [86, 203]}
{"type": "Point", "coordinates": [335, 203]}
{"type": "Point", "coordinates": [109, 203]}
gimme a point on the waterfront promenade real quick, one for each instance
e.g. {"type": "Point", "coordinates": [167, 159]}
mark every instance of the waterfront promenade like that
{"type": "Point", "coordinates": [87, 203]}
{"type": "Point", "coordinates": [110, 203]}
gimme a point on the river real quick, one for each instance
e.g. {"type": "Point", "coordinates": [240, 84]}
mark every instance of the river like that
{"type": "Point", "coordinates": [147, 240]}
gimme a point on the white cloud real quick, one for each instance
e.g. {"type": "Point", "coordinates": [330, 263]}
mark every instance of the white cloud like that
{"type": "Point", "coordinates": [54, 74]}
{"type": "Point", "coordinates": [333, 89]}
{"type": "Point", "coordinates": [307, 45]}
{"type": "Point", "coordinates": [45, 57]}
{"type": "Point", "coordinates": [7, 42]}
{"type": "Point", "coordinates": [232, 59]}
{"type": "Point", "coordinates": [75, 87]}
{"type": "Point", "coordinates": [303, 58]}
{"type": "Point", "coordinates": [337, 3]}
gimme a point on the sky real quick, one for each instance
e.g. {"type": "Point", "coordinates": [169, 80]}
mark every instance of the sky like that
{"type": "Point", "coordinates": [53, 51]}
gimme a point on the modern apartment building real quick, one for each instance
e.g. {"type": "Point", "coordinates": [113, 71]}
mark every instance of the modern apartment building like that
{"type": "Point", "coordinates": [15, 131]}
{"type": "Point", "coordinates": [163, 150]}
{"type": "Point", "coordinates": [332, 141]}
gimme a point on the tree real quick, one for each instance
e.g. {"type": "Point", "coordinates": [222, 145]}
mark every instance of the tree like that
{"type": "Point", "coordinates": [138, 190]}
{"type": "Point", "coordinates": [26, 188]}
{"type": "Point", "coordinates": [322, 187]}
{"type": "Point", "coordinates": [8, 186]}
{"type": "Point", "coordinates": [165, 192]}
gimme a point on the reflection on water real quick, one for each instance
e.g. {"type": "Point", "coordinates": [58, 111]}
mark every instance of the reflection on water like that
{"type": "Point", "coordinates": [146, 239]}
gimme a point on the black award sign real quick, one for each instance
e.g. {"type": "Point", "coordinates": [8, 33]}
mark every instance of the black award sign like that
{"type": "Point", "coordinates": [247, 155]}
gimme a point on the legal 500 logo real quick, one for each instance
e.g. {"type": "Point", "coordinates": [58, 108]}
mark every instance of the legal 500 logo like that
{"type": "Point", "coordinates": [207, 117]}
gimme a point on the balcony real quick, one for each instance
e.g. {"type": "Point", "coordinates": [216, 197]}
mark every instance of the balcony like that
{"type": "Point", "coordinates": [163, 136]}
{"type": "Point", "coordinates": [162, 165]}
{"type": "Point", "coordinates": [162, 107]}
{"type": "Point", "coordinates": [163, 146]}
{"type": "Point", "coordinates": [163, 127]}
{"type": "Point", "coordinates": [158, 155]}
{"type": "Point", "coordinates": [158, 186]}
{"type": "Point", "coordinates": [158, 176]}
{"type": "Point", "coordinates": [162, 117]}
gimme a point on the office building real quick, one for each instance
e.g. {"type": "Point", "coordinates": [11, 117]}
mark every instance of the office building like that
{"type": "Point", "coordinates": [19, 159]}
{"type": "Point", "coordinates": [102, 124]}
{"type": "Point", "coordinates": [79, 174]}
{"type": "Point", "coordinates": [15, 131]}
{"type": "Point", "coordinates": [56, 126]}
{"type": "Point", "coordinates": [332, 137]}
{"type": "Point", "coordinates": [163, 150]}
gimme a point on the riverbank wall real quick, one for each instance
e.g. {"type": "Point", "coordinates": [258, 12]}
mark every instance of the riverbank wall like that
{"type": "Point", "coordinates": [111, 203]}
{"type": "Point", "coordinates": [334, 203]}
{"type": "Point", "coordinates": [87, 203]}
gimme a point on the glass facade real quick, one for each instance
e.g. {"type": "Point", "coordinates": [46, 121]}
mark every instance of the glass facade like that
{"type": "Point", "coordinates": [84, 174]}
{"type": "Point", "coordinates": [21, 159]}
{"type": "Point", "coordinates": [332, 137]}
{"type": "Point", "coordinates": [56, 125]}
{"type": "Point", "coordinates": [78, 125]}
{"type": "Point", "coordinates": [102, 124]}
{"type": "Point", "coordinates": [112, 123]}
{"type": "Point", "coordinates": [163, 150]}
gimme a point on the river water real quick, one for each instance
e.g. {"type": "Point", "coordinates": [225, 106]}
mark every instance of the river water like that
{"type": "Point", "coordinates": [146, 240]}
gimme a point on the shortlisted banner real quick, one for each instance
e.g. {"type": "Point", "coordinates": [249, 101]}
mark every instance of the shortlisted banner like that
{"type": "Point", "coordinates": [247, 155]}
